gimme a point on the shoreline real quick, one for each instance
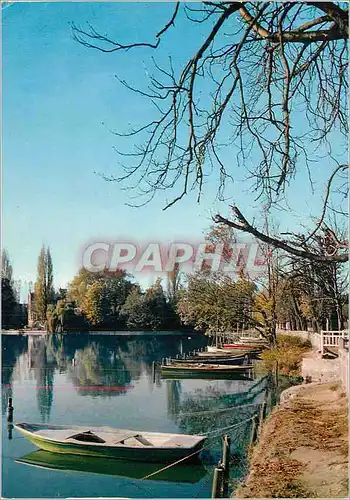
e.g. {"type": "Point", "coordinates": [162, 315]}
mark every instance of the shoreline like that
{"type": "Point", "coordinates": [105, 332]}
{"type": "Point", "coordinates": [303, 447]}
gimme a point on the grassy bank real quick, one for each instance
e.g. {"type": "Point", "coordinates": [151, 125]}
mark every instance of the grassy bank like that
{"type": "Point", "coordinates": [303, 449]}
{"type": "Point", "coordinates": [288, 354]}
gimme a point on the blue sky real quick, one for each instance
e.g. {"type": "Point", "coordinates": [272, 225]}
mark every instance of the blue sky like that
{"type": "Point", "coordinates": [59, 102]}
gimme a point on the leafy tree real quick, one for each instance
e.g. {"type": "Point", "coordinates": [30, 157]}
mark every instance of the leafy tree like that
{"type": "Point", "coordinates": [6, 267]}
{"type": "Point", "coordinates": [79, 285]}
{"type": "Point", "coordinates": [100, 296]}
{"type": "Point", "coordinates": [146, 310]}
{"type": "Point", "coordinates": [96, 306]}
{"type": "Point", "coordinates": [8, 295]}
{"type": "Point", "coordinates": [52, 318]}
{"type": "Point", "coordinates": [216, 303]}
{"type": "Point", "coordinates": [157, 305]}
{"type": "Point", "coordinates": [8, 304]}
{"type": "Point", "coordinates": [43, 288]}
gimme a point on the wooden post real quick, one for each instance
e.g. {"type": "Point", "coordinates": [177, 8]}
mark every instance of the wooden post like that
{"type": "Point", "coordinates": [154, 371]}
{"type": "Point", "coordinates": [254, 430]}
{"type": "Point", "coordinates": [217, 482]}
{"type": "Point", "coordinates": [262, 415]}
{"type": "Point", "coordinates": [10, 411]}
{"type": "Point", "coordinates": [9, 431]}
{"type": "Point", "coordinates": [276, 374]}
{"type": "Point", "coordinates": [226, 464]}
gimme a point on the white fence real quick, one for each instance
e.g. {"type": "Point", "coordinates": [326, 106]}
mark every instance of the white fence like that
{"type": "Point", "coordinates": [331, 338]}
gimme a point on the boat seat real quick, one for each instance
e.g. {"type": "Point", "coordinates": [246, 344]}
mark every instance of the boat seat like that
{"type": "Point", "coordinates": [139, 438]}
{"type": "Point", "coordinates": [180, 441]}
{"type": "Point", "coordinates": [87, 437]}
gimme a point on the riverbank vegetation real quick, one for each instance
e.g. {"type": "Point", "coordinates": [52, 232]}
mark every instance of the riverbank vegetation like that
{"type": "Point", "coordinates": [295, 295]}
{"type": "Point", "coordinates": [286, 356]}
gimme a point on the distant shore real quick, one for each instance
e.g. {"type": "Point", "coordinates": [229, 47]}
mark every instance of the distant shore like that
{"type": "Point", "coordinates": [103, 332]}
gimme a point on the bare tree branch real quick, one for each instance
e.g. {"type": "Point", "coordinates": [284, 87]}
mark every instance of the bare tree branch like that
{"type": "Point", "coordinates": [243, 225]}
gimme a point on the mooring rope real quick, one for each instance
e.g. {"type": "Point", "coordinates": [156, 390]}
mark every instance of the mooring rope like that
{"type": "Point", "coordinates": [184, 414]}
{"type": "Point", "coordinates": [175, 463]}
{"type": "Point", "coordinates": [198, 451]}
{"type": "Point", "coordinates": [219, 431]}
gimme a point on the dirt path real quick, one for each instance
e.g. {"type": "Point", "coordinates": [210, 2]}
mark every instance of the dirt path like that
{"type": "Point", "coordinates": [303, 449]}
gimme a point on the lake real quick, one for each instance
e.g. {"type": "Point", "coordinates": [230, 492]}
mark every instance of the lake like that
{"type": "Point", "coordinates": [106, 379]}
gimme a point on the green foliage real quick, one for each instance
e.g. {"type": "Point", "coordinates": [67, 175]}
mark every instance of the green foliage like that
{"type": "Point", "coordinates": [96, 306]}
{"type": "Point", "coordinates": [52, 318]}
{"type": "Point", "coordinates": [284, 340]}
{"type": "Point", "coordinates": [287, 354]}
{"type": "Point", "coordinates": [100, 297]}
{"type": "Point", "coordinates": [6, 267]}
{"type": "Point", "coordinates": [12, 313]}
{"type": "Point", "coordinates": [215, 304]}
{"type": "Point", "coordinates": [147, 310]}
{"type": "Point", "coordinates": [8, 304]}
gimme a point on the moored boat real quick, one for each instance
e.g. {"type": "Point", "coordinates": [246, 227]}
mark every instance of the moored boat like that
{"type": "Point", "coordinates": [180, 473]}
{"type": "Point", "coordinates": [109, 442]}
{"type": "Point", "coordinates": [222, 360]}
{"type": "Point", "coordinates": [227, 353]}
{"type": "Point", "coordinates": [243, 346]}
{"type": "Point", "coordinates": [203, 370]}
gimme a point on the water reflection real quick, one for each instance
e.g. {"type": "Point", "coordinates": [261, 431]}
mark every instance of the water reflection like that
{"type": "Point", "coordinates": [12, 348]}
{"type": "Point", "coordinates": [97, 366]}
{"type": "Point", "coordinates": [173, 390]}
{"type": "Point", "coordinates": [181, 473]}
{"type": "Point", "coordinates": [77, 377]}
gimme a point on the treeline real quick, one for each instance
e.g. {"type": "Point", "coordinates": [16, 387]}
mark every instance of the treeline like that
{"type": "Point", "coordinates": [91, 301]}
{"type": "Point", "coordinates": [115, 302]}
{"type": "Point", "coordinates": [289, 293]}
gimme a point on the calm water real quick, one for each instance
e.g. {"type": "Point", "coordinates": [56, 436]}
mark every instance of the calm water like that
{"type": "Point", "coordinates": [107, 380]}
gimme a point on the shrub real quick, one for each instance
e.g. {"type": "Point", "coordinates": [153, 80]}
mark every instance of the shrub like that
{"type": "Point", "coordinates": [288, 354]}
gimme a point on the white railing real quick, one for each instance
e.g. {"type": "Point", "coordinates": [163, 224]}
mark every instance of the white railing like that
{"type": "Point", "coordinates": [330, 338]}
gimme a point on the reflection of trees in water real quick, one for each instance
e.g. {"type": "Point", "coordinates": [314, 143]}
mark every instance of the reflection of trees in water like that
{"type": "Point", "coordinates": [139, 353]}
{"type": "Point", "coordinates": [117, 360]}
{"type": "Point", "coordinates": [190, 413]}
{"type": "Point", "coordinates": [173, 391]}
{"type": "Point", "coordinates": [203, 411]}
{"type": "Point", "coordinates": [205, 400]}
{"type": "Point", "coordinates": [98, 366]}
{"type": "Point", "coordinates": [43, 363]}
{"type": "Point", "coordinates": [100, 362]}
{"type": "Point", "coordinates": [12, 346]}
{"type": "Point", "coordinates": [45, 382]}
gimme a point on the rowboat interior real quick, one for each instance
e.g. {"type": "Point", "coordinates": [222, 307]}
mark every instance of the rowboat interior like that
{"type": "Point", "coordinates": [106, 436]}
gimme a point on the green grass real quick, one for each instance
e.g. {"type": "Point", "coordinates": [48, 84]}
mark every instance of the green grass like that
{"type": "Point", "coordinates": [288, 354]}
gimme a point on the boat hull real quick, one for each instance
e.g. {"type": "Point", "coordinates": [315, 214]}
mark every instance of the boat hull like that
{"type": "Point", "coordinates": [204, 371]}
{"type": "Point", "coordinates": [243, 346]}
{"type": "Point", "coordinates": [224, 360]}
{"type": "Point", "coordinates": [142, 454]}
{"type": "Point", "coordinates": [227, 353]}
{"type": "Point", "coordinates": [178, 375]}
